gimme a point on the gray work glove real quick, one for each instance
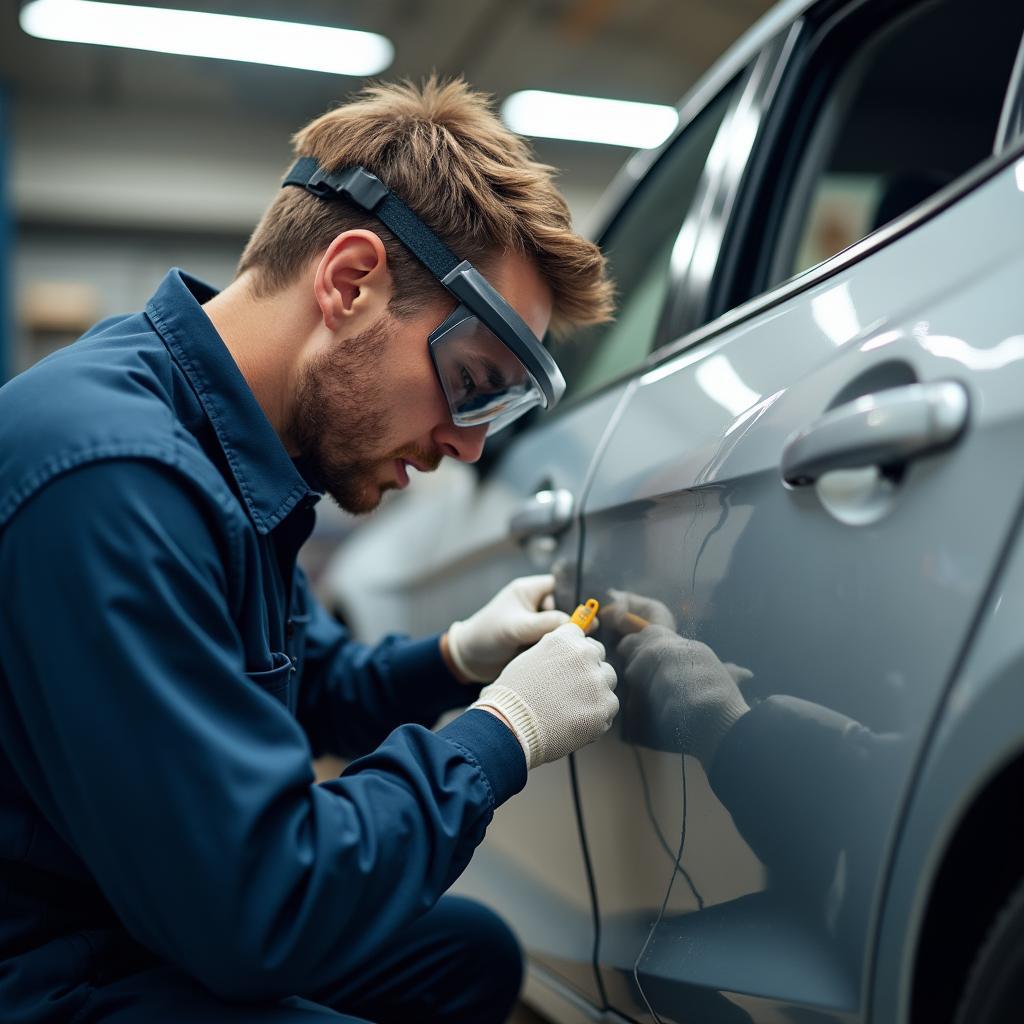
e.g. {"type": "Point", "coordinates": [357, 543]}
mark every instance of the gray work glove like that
{"type": "Point", "coordinates": [681, 697]}
{"type": "Point", "coordinates": [629, 613]}
{"type": "Point", "coordinates": [515, 618]}
{"type": "Point", "coordinates": [558, 696]}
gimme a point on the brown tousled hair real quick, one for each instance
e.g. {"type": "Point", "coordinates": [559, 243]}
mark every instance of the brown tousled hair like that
{"type": "Point", "coordinates": [440, 148]}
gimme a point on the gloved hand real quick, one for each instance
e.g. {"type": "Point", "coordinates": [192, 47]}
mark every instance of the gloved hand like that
{"type": "Point", "coordinates": [681, 697]}
{"type": "Point", "coordinates": [515, 618]}
{"type": "Point", "coordinates": [626, 610]}
{"type": "Point", "coordinates": [558, 696]}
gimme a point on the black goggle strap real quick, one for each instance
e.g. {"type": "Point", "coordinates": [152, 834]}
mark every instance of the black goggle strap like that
{"type": "Point", "coordinates": [369, 193]}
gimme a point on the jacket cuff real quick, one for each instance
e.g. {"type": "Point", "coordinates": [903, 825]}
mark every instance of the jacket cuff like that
{"type": "Point", "coordinates": [422, 684]}
{"type": "Point", "coordinates": [494, 747]}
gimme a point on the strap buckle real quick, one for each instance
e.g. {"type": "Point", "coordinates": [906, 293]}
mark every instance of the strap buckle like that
{"type": "Point", "coordinates": [355, 183]}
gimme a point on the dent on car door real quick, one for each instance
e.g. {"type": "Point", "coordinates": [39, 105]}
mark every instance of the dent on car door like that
{"type": "Point", "coordinates": [522, 516]}
{"type": "Point", "coordinates": [818, 496]}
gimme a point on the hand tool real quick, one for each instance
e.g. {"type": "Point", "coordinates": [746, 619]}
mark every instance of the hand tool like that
{"type": "Point", "coordinates": [584, 614]}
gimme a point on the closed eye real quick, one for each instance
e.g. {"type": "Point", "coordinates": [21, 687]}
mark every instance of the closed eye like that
{"type": "Point", "coordinates": [495, 378]}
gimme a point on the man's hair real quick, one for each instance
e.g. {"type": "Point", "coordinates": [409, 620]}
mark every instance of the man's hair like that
{"type": "Point", "coordinates": [441, 149]}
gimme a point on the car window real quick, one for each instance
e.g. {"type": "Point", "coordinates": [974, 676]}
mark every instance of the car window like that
{"type": "Point", "coordinates": [889, 113]}
{"type": "Point", "coordinates": [639, 249]}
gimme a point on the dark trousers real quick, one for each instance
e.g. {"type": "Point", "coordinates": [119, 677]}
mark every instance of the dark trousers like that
{"type": "Point", "coordinates": [457, 964]}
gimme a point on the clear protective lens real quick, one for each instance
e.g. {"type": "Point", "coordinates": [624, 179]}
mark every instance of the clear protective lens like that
{"type": "Point", "coordinates": [482, 378]}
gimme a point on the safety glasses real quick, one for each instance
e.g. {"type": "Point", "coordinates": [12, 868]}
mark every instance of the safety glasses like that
{"type": "Point", "coordinates": [491, 366]}
{"type": "Point", "coordinates": [482, 380]}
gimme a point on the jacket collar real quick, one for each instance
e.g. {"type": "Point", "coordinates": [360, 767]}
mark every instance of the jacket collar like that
{"type": "Point", "coordinates": [268, 480]}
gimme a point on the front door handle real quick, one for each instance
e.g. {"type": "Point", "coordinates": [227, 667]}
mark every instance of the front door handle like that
{"type": "Point", "coordinates": [545, 514]}
{"type": "Point", "coordinates": [888, 428]}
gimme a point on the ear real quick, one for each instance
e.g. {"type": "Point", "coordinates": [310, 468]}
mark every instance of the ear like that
{"type": "Point", "coordinates": [352, 281]}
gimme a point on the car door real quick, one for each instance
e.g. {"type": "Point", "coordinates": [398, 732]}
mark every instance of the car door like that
{"type": "Point", "coordinates": [817, 486]}
{"type": "Point", "coordinates": [518, 515]}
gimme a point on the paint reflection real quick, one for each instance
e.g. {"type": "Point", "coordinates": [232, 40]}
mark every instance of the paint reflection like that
{"type": "Point", "coordinates": [792, 774]}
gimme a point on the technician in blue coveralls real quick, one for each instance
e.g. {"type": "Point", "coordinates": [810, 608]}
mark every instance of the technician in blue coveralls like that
{"type": "Point", "coordinates": [165, 674]}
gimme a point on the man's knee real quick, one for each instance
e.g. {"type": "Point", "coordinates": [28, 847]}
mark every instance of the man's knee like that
{"type": "Point", "coordinates": [457, 964]}
{"type": "Point", "coordinates": [491, 960]}
{"type": "Point", "coordinates": [491, 938]}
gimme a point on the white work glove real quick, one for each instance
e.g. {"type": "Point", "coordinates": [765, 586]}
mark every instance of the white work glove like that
{"type": "Point", "coordinates": [558, 696]}
{"type": "Point", "coordinates": [680, 697]}
{"type": "Point", "coordinates": [515, 618]}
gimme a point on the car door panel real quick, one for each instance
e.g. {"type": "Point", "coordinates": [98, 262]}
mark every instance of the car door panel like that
{"type": "Point", "coordinates": [856, 602]}
{"type": "Point", "coordinates": [484, 530]}
{"type": "Point", "coordinates": [488, 540]}
{"type": "Point", "coordinates": [539, 886]}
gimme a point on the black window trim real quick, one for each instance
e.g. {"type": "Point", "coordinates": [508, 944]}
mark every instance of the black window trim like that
{"type": "Point", "coordinates": [1006, 151]}
{"type": "Point", "coordinates": [740, 82]}
{"type": "Point", "coordinates": [754, 84]}
{"type": "Point", "coordinates": [687, 302]}
{"type": "Point", "coordinates": [1011, 118]}
{"type": "Point", "coordinates": [773, 161]}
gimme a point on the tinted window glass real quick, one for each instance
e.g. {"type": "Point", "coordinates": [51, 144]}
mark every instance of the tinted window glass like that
{"type": "Point", "coordinates": [639, 247]}
{"type": "Point", "coordinates": [901, 109]}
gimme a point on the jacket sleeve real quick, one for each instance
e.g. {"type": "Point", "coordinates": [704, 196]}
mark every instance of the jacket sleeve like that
{"type": "Point", "coordinates": [793, 775]}
{"type": "Point", "coordinates": [186, 790]}
{"type": "Point", "coordinates": [352, 695]}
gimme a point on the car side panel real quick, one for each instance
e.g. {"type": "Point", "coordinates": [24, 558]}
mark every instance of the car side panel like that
{"type": "Point", "coordinates": [531, 866]}
{"type": "Point", "coordinates": [980, 731]}
{"type": "Point", "coordinates": [864, 621]}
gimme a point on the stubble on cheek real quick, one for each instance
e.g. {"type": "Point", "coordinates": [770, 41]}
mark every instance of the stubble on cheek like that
{"type": "Point", "coordinates": [338, 420]}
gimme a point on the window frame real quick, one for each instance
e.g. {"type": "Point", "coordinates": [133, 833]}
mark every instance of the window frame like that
{"type": "Point", "coordinates": [657, 176]}
{"type": "Point", "coordinates": [910, 221]}
{"type": "Point", "coordinates": [754, 74]}
{"type": "Point", "coordinates": [619, 201]}
{"type": "Point", "coordinates": [688, 302]}
{"type": "Point", "coordinates": [798, 103]}
{"type": "Point", "coordinates": [1011, 119]}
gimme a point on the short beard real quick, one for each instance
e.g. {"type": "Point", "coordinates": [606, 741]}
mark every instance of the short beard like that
{"type": "Point", "coordinates": [337, 423]}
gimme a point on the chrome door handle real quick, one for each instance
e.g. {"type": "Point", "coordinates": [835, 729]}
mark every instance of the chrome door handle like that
{"type": "Point", "coordinates": [887, 428]}
{"type": "Point", "coordinates": [545, 514]}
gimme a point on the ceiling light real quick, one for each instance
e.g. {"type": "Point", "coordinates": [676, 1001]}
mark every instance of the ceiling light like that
{"type": "Point", "coordinates": [195, 33]}
{"type": "Point", "coordinates": [557, 115]}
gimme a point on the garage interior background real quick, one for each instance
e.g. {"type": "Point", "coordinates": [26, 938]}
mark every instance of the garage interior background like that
{"type": "Point", "coordinates": [116, 164]}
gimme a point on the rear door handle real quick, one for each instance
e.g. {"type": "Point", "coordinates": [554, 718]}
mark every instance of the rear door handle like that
{"type": "Point", "coordinates": [545, 514]}
{"type": "Point", "coordinates": [890, 427]}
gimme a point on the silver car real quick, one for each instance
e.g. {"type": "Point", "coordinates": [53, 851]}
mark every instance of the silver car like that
{"type": "Point", "coordinates": [796, 444]}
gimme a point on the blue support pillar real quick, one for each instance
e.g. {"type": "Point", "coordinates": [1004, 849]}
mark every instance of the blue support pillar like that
{"type": "Point", "coordinates": [6, 239]}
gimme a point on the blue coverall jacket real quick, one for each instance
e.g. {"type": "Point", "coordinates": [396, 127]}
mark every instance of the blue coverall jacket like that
{"type": "Point", "coordinates": [165, 678]}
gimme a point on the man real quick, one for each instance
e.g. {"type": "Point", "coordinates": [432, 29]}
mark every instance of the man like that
{"type": "Point", "coordinates": [165, 674]}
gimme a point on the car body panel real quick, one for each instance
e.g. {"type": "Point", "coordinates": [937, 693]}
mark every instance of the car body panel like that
{"type": "Point", "coordinates": [687, 506]}
{"type": "Point", "coordinates": [857, 596]}
{"type": "Point", "coordinates": [978, 734]}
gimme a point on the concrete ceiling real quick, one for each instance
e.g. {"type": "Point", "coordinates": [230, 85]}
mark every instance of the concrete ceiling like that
{"type": "Point", "coordinates": [98, 109]}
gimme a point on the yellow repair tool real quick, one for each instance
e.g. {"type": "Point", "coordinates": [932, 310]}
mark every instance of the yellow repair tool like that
{"type": "Point", "coordinates": [584, 614]}
{"type": "Point", "coordinates": [633, 623]}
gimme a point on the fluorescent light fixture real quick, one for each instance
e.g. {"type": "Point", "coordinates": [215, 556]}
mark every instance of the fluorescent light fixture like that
{"type": "Point", "coordinates": [195, 33]}
{"type": "Point", "coordinates": [558, 115]}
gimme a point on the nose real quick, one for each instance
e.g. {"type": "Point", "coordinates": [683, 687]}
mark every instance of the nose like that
{"type": "Point", "coordinates": [463, 443]}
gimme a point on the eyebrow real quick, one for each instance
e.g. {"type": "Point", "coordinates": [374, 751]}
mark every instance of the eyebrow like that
{"type": "Point", "coordinates": [495, 377]}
